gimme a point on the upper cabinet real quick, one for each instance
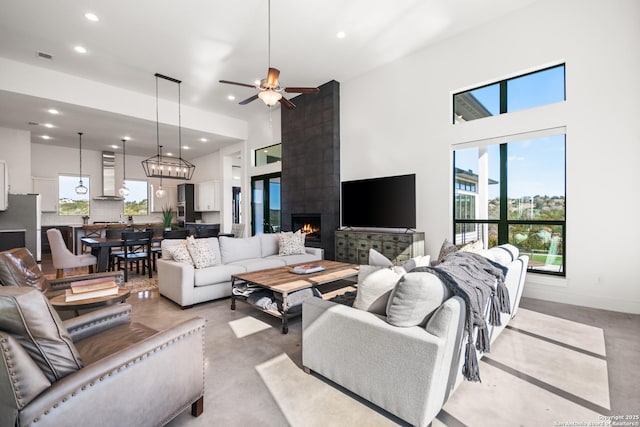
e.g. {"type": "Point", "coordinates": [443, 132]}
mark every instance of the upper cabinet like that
{"type": "Point", "coordinates": [207, 196]}
{"type": "Point", "coordinates": [170, 198]}
{"type": "Point", "coordinates": [47, 188]}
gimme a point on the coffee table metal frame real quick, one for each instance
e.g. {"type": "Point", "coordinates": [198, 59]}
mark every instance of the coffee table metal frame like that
{"type": "Point", "coordinates": [284, 282]}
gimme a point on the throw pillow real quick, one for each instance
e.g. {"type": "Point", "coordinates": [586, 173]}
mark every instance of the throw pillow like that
{"type": "Point", "coordinates": [180, 253]}
{"type": "Point", "coordinates": [415, 298]}
{"type": "Point", "coordinates": [376, 258]}
{"type": "Point", "coordinates": [30, 319]}
{"type": "Point", "coordinates": [373, 292]}
{"type": "Point", "coordinates": [291, 243]}
{"type": "Point", "coordinates": [446, 249]}
{"type": "Point", "coordinates": [418, 261]}
{"type": "Point", "coordinates": [201, 252]}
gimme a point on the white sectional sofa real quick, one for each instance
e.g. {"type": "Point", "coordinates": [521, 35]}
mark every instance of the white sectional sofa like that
{"type": "Point", "coordinates": [186, 285]}
{"type": "Point", "coordinates": [408, 371]}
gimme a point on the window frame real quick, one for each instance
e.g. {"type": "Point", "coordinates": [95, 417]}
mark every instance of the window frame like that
{"type": "Point", "coordinates": [86, 181]}
{"type": "Point", "coordinates": [128, 181]}
{"type": "Point", "coordinates": [504, 223]}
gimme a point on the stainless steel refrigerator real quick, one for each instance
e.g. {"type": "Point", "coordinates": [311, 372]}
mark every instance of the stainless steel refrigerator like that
{"type": "Point", "coordinates": [23, 213]}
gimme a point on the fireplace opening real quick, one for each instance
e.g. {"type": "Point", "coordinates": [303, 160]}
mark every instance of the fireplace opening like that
{"type": "Point", "coordinates": [310, 224]}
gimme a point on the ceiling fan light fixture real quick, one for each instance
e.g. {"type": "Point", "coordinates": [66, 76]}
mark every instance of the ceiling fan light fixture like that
{"type": "Point", "coordinates": [270, 97]}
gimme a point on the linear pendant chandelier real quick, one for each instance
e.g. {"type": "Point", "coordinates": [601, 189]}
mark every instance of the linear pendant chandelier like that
{"type": "Point", "coordinates": [162, 166]}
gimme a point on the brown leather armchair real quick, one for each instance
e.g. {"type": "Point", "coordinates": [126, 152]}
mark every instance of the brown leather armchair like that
{"type": "Point", "coordinates": [19, 268]}
{"type": "Point", "coordinates": [96, 369]}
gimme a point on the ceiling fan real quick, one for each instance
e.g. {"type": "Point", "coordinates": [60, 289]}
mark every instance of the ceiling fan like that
{"type": "Point", "coordinates": [270, 90]}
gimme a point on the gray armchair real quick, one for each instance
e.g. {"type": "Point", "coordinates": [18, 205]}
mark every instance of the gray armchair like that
{"type": "Point", "coordinates": [96, 369]}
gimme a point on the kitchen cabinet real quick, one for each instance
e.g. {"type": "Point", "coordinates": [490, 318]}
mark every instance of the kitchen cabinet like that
{"type": "Point", "coordinates": [47, 188]}
{"type": "Point", "coordinates": [170, 198]}
{"type": "Point", "coordinates": [207, 196]}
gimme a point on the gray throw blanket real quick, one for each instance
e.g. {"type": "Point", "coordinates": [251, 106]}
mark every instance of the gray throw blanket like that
{"type": "Point", "coordinates": [477, 281]}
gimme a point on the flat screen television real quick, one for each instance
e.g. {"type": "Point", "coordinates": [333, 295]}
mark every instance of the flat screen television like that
{"type": "Point", "coordinates": [387, 202]}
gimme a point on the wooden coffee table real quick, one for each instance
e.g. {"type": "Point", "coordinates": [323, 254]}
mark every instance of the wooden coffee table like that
{"type": "Point", "coordinates": [284, 282]}
{"type": "Point", "coordinates": [59, 302]}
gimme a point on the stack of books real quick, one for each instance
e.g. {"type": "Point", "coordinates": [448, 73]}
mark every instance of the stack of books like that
{"type": "Point", "coordinates": [92, 288]}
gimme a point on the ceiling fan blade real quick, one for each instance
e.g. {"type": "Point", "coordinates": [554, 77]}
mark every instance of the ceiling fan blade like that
{"type": "Point", "coordinates": [248, 100]}
{"type": "Point", "coordinates": [236, 83]}
{"type": "Point", "coordinates": [290, 105]}
{"type": "Point", "coordinates": [272, 77]}
{"type": "Point", "coordinates": [301, 90]}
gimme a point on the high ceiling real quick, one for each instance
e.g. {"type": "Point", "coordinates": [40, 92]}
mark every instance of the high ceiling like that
{"type": "Point", "coordinates": [203, 41]}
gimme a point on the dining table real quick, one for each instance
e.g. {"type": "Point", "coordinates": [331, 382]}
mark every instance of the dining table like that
{"type": "Point", "coordinates": [101, 248]}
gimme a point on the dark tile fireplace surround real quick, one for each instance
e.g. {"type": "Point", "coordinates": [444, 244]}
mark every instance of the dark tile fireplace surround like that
{"type": "Point", "coordinates": [311, 166]}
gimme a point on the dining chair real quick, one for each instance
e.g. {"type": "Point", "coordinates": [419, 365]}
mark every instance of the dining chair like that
{"type": "Point", "coordinates": [137, 248]}
{"type": "Point", "coordinates": [94, 230]}
{"type": "Point", "coordinates": [175, 234]}
{"type": "Point", "coordinates": [63, 257]}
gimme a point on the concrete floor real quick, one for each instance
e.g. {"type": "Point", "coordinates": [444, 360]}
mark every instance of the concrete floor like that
{"type": "Point", "coordinates": [555, 363]}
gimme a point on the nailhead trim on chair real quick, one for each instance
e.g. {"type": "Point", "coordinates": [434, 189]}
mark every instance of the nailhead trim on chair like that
{"type": "Point", "coordinates": [131, 363]}
{"type": "Point", "coordinates": [7, 350]}
{"type": "Point", "coordinates": [103, 320]}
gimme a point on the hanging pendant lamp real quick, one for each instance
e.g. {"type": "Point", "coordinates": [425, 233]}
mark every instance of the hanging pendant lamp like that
{"type": "Point", "coordinates": [81, 189]}
{"type": "Point", "coordinates": [160, 192]}
{"type": "Point", "coordinates": [160, 166]}
{"type": "Point", "coordinates": [124, 191]}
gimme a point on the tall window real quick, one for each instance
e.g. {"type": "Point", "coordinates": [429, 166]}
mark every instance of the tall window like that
{"type": "Point", "coordinates": [513, 191]}
{"type": "Point", "coordinates": [527, 91]}
{"type": "Point", "coordinates": [69, 202]}
{"type": "Point", "coordinates": [137, 202]}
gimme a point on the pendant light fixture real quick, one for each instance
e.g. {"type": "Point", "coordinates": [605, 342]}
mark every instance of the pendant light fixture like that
{"type": "Point", "coordinates": [124, 191]}
{"type": "Point", "coordinates": [160, 166]}
{"type": "Point", "coordinates": [160, 192]}
{"type": "Point", "coordinates": [81, 189]}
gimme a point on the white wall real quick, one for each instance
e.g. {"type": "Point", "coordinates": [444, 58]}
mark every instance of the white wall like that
{"type": "Point", "coordinates": [406, 129]}
{"type": "Point", "coordinates": [15, 149]}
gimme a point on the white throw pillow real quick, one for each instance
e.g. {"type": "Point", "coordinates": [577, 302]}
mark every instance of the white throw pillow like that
{"type": "Point", "coordinates": [291, 243]}
{"type": "Point", "coordinates": [418, 261]}
{"type": "Point", "coordinates": [201, 252]}
{"type": "Point", "coordinates": [374, 290]}
{"type": "Point", "coordinates": [376, 258]}
{"type": "Point", "coordinates": [180, 253]}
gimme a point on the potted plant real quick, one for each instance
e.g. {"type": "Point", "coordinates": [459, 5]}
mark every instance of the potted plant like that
{"type": "Point", "coordinates": [167, 217]}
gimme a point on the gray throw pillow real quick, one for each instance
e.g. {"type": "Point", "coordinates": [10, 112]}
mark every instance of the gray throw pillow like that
{"type": "Point", "coordinates": [26, 314]}
{"type": "Point", "coordinates": [415, 297]}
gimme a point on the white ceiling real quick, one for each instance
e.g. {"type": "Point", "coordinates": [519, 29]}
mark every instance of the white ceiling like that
{"type": "Point", "coordinates": [203, 41]}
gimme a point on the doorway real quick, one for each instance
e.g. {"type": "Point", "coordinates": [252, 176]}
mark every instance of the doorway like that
{"type": "Point", "coordinates": [265, 204]}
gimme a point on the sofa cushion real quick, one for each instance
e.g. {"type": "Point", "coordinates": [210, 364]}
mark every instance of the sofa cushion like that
{"type": "Point", "coordinates": [291, 243]}
{"type": "Point", "coordinates": [201, 253]}
{"type": "Point", "coordinates": [296, 259]}
{"type": "Point", "coordinates": [255, 264]}
{"type": "Point", "coordinates": [216, 274]}
{"type": "Point", "coordinates": [180, 253]}
{"type": "Point", "coordinates": [233, 249]}
{"type": "Point", "coordinates": [27, 315]}
{"type": "Point", "coordinates": [414, 298]}
{"type": "Point", "coordinates": [269, 244]}
{"type": "Point", "coordinates": [19, 268]}
{"type": "Point", "coordinates": [374, 290]}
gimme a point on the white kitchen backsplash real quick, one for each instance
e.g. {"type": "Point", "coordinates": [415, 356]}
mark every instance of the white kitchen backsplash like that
{"type": "Point", "coordinates": [101, 211]}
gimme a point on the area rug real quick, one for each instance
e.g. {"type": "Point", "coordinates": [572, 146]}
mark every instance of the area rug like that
{"type": "Point", "coordinates": [140, 284]}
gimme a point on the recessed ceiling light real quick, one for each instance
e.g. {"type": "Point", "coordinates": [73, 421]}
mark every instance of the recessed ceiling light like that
{"type": "Point", "coordinates": [48, 125]}
{"type": "Point", "coordinates": [46, 137]}
{"type": "Point", "coordinates": [170, 154]}
{"type": "Point", "coordinates": [91, 17]}
{"type": "Point", "coordinates": [80, 49]}
{"type": "Point", "coordinates": [256, 82]}
{"type": "Point", "coordinates": [115, 147]}
{"type": "Point", "coordinates": [203, 139]}
{"type": "Point", "coordinates": [341, 34]}
{"type": "Point", "coordinates": [53, 111]}
{"type": "Point", "coordinates": [231, 97]}
{"type": "Point", "coordinates": [185, 147]}
{"type": "Point", "coordinates": [126, 138]}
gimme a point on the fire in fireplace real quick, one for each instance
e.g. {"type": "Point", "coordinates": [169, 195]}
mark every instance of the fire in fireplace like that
{"type": "Point", "coordinates": [310, 225]}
